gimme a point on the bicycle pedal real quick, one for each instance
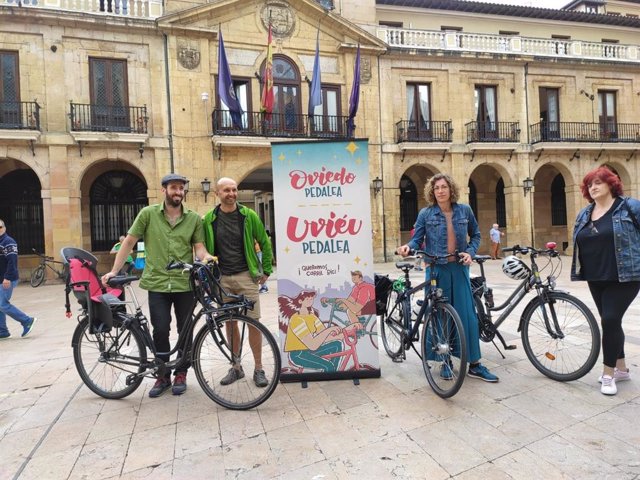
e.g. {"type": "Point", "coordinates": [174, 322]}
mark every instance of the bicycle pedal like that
{"type": "Point", "coordinates": [397, 359]}
{"type": "Point", "coordinates": [510, 347]}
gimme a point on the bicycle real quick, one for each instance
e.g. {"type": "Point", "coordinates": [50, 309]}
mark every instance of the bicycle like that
{"type": "Point", "coordinates": [559, 333]}
{"type": "Point", "coordinates": [368, 321]}
{"type": "Point", "coordinates": [112, 362]}
{"type": "Point", "coordinates": [40, 272]}
{"type": "Point", "coordinates": [443, 343]}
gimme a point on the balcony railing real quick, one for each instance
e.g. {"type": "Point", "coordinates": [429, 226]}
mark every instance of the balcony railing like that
{"type": "Point", "coordinates": [491, 132]}
{"type": "Point", "coordinates": [606, 132]}
{"type": "Point", "coordinates": [149, 9]}
{"type": "Point", "coordinates": [431, 131]}
{"type": "Point", "coordinates": [258, 124]}
{"type": "Point", "coordinates": [108, 118]}
{"type": "Point", "coordinates": [507, 44]}
{"type": "Point", "coordinates": [19, 115]}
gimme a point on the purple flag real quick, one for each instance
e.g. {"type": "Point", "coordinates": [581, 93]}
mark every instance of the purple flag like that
{"type": "Point", "coordinates": [315, 91]}
{"type": "Point", "coordinates": [354, 99]}
{"type": "Point", "coordinates": [226, 92]}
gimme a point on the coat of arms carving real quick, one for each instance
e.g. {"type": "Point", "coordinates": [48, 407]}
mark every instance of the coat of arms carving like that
{"type": "Point", "coordinates": [188, 57]}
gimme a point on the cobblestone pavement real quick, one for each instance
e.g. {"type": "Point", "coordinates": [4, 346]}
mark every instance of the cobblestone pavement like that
{"type": "Point", "coordinates": [524, 427]}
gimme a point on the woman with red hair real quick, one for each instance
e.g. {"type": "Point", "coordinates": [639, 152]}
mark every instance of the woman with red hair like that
{"type": "Point", "coordinates": [606, 253]}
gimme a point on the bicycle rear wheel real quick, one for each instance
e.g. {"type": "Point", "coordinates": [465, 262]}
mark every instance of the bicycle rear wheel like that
{"type": "Point", "coordinates": [37, 276]}
{"type": "Point", "coordinates": [444, 350]}
{"type": "Point", "coordinates": [105, 360]}
{"type": "Point", "coordinates": [392, 327]}
{"type": "Point", "coordinates": [213, 358]}
{"type": "Point", "coordinates": [567, 345]}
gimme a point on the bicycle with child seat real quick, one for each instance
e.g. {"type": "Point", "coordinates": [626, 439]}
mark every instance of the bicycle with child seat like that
{"type": "Point", "coordinates": [40, 272]}
{"type": "Point", "coordinates": [443, 341]}
{"type": "Point", "coordinates": [559, 333]}
{"type": "Point", "coordinates": [113, 363]}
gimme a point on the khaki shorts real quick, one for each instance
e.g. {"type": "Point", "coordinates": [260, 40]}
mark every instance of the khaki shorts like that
{"type": "Point", "coordinates": [243, 284]}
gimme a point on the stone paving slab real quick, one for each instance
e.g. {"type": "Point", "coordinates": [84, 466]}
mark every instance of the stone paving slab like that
{"type": "Point", "coordinates": [525, 427]}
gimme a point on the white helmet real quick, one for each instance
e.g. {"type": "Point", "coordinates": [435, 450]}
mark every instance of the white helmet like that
{"type": "Point", "coordinates": [515, 268]}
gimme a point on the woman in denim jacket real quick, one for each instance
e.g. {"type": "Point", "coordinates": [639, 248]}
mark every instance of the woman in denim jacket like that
{"type": "Point", "coordinates": [606, 253]}
{"type": "Point", "coordinates": [445, 226]}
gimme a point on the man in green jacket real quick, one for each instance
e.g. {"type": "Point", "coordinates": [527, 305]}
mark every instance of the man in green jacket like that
{"type": "Point", "coordinates": [231, 231]}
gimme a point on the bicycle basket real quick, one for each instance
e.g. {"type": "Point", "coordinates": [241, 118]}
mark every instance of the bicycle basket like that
{"type": "Point", "coordinates": [383, 286]}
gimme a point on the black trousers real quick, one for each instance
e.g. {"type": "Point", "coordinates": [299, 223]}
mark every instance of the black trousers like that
{"type": "Point", "coordinates": [613, 300]}
{"type": "Point", "coordinates": [160, 311]}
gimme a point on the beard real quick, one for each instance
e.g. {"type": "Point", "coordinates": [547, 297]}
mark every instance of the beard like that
{"type": "Point", "coordinates": [173, 201]}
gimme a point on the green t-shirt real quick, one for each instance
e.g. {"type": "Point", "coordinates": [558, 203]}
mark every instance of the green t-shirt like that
{"type": "Point", "coordinates": [164, 243]}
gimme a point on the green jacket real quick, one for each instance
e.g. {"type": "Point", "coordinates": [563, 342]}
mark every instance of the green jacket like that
{"type": "Point", "coordinates": [253, 231]}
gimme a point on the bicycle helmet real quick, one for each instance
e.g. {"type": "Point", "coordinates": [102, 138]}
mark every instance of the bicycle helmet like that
{"type": "Point", "coordinates": [515, 268]}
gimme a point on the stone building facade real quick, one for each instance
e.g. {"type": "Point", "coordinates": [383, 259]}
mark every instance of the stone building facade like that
{"type": "Point", "coordinates": [101, 99]}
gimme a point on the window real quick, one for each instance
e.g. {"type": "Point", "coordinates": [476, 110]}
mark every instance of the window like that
{"type": "Point", "coordinates": [384, 23]}
{"type": "Point", "coordinates": [326, 118]}
{"type": "Point", "coordinates": [419, 111]}
{"type": "Point", "coordinates": [242, 87]}
{"type": "Point", "coordinates": [549, 113]}
{"type": "Point", "coordinates": [287, 110]}
{"type": "Point", "coordinates": [9, 91]}
{"type": "Point", "coordinates": [21, 209]}
{"type": "Point", "coordinates": [486, 111]}
{"type": "Point", "coordinates": [116, 197]}
{"type": "Point", "coordinates": [607, 114]}
{"type": "Point", "coordinates": [558, 202]}
{"type": "Point", "coordinates": [109, 94]}
{"type": "Point", "coordinates": [408, 203]}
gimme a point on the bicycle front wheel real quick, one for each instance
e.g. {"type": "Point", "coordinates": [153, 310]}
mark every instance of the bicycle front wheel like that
{"type": "Point", "coordinates": [391, 327]}
{"type": "Point", "coordinates": [227, 344]}
{"type": "Point", "coordinates": [108, 363]}
{"type": "Point", "coordinates": [444, 350]}
{"type": "Point", "coordinates": [560, 336]}
{"type": "Point", "coordinates": [37, 276]}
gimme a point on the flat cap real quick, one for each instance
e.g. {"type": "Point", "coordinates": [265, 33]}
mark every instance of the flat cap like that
{"type": "Point", "coordinates": [173, 177]}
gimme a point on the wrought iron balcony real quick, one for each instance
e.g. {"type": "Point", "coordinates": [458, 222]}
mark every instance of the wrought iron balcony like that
{"type": "Point", "coordinates": [108, 118]}
{"type": "Point", "coordinates": [19, 115]}
{"type": "Point", "coordinates": [490, 132]}
{"type": "Point", "coordinates": [606, 132]}
{"type": "Point", "coordinates": [259, 124]}
{"type": "Point", "coordinates": [430, 131]}
{"type": "Point", "coordinates": [145, 9]}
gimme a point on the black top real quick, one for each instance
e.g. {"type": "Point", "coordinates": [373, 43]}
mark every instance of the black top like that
{"type": "Point", "coordinates": [596, 248]}
{"type": "Point", "coordinates": [229, 240]}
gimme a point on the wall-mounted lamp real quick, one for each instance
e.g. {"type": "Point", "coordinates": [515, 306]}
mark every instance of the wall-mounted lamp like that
{"type": "Point", "coordinates": [258, 76]}
{"type": "Point", "coordinates": [204, 96]}
{"type": "Point", "coordinates": [527, 185]}
{"type": "Point", "coordinates": [141, 150]}
{"type": "Point", "coordinates": [186, 189]}
{"type": "Point", "coordinates": [376, 184]}
{"type": "Point", "coordinates": [206, 188]}
{"type": "Point", "coordinates": [590, 96]}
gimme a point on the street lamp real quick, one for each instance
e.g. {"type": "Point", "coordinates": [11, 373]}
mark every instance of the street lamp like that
{"type": "Point", "coordinates": [376, 184]}
{"type": "Point", "coordinates": [206, 188]}
{"type": "Point", "coordinates": [527, 185]}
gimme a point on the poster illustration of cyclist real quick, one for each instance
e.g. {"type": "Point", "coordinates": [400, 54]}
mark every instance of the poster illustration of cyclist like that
{"type": "Point", "coordinates": [326, 296]}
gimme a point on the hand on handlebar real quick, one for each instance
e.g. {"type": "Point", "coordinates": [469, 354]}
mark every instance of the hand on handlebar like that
{"type": "Point", "coordinates": [465, 258]}
{"type": "Point", "coordinates": [106, 277]}
{"type": "Point", "coordinates": [403, 250]}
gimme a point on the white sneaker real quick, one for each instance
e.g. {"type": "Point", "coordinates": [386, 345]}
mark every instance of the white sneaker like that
{"type": "Point", "coordinates": [618, 375]}
{"type": "Point", "coordinates": [608, 385]}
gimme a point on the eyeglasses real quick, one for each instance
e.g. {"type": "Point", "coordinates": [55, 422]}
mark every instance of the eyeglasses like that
{"type": "Point", "coordinates": [592, 228]}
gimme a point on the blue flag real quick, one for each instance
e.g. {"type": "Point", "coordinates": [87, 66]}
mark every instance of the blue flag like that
{"type": "Point", "coordinates": [315, 91]}
{"type": "Point", "coordinates": [354, 99]}
{"type": "Point", "coordinates": [226, 92]}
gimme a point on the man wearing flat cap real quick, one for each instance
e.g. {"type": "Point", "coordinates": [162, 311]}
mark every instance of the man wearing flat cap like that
{"type": "Point", "coordinates": [170, 231]}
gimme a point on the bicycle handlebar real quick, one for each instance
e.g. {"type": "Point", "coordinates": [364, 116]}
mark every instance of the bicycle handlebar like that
{"type": "Point", "coordinates": [550, 250]}
{"type": "Point", "coordinates": [47, 258]}
{"type": "Point", "coordinates": [435, 258]}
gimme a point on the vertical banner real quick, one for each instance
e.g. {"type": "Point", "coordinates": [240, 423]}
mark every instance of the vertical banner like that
{"type": "Point", "coordinates": [326, 294]}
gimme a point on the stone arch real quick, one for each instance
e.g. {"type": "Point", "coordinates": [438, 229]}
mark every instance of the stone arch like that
{"type": "Point", "coordinates": [551, 204]}
{"type": "Point", "coordinates": [410, 199]}
{"type": "Point", "coordinates": [21, 206]}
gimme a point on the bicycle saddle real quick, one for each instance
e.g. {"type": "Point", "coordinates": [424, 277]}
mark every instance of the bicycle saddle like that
{"type": "Point", "coordinates": [481, 258]}
{"type": "Point", "coordinates": [405, 265]}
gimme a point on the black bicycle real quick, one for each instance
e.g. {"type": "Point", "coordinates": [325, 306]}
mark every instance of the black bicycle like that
{"type": "Point", "coordinates": [443, 343]}
{"type": "Point", "coordinates": [113, 361]}
{"type": "Point", "coordinates": [559, 333]}
{"type": "Point", "coordinates": [40, 272]}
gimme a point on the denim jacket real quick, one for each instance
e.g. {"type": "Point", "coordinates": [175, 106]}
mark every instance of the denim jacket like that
{"type": "Point", "coordinates": [431, 228]}
{"type": "Point", "coordinates": [626, 239]}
